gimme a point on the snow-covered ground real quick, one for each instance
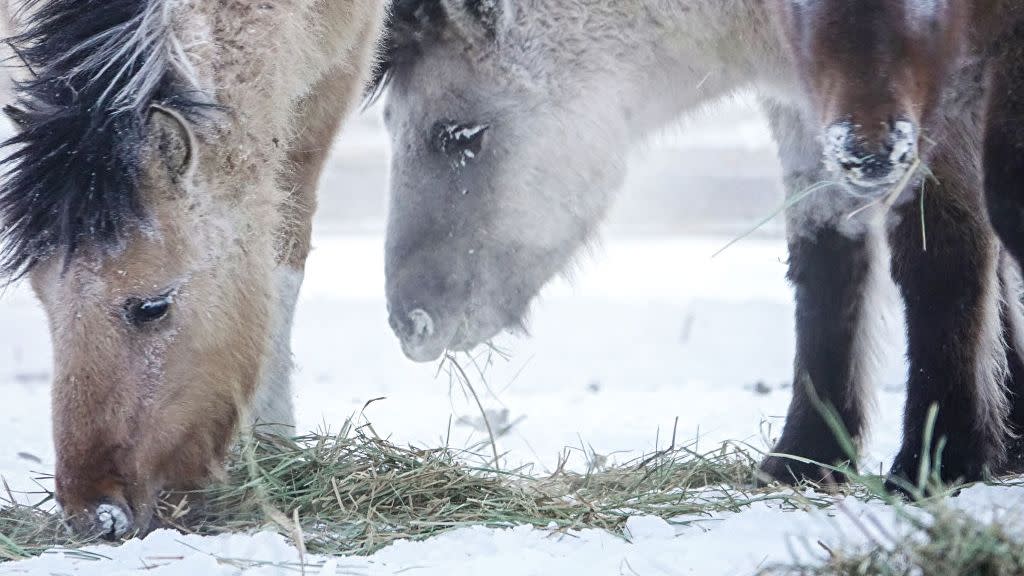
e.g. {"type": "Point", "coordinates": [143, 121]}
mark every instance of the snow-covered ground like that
{"type": "Point", "coordinates": [651, 330]}
{"type": "Point", "coordinates": [734, 544]}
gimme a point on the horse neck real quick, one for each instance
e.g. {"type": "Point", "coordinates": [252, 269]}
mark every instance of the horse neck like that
{"type": "Point", "coordinates": [713, 48]}
{"type": "Point", "coordinates": [666, 58]}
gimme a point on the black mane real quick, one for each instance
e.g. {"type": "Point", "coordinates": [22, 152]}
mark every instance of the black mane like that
{"type": "Point", "coordinates": [407, 23]}
{"type": "Point", "coordinates": [72, 173]}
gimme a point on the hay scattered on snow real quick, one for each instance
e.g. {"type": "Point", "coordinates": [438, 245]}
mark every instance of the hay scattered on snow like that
{"type": "Point", "coordinates": [354, 492]}
{"type": "Point", "coordinates": [941, 540]}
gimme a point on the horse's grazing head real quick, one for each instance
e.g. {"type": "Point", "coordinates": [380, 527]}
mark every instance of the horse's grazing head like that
{"type": "Point", "coordinates": [875, 71]}
{"type": "Point", "coordinates": [155, 273]}
{"type": "Point", "coordinates": [504, 158]}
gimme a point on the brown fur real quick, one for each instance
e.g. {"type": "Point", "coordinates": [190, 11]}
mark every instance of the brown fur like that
{"type": "Point", "coordinates": [140, 409]}
{"type": "Point", "coordinates": [853, 57]}
{"type": "Point", "coordinates": [319, 118]}
{"type": "Point", "coordinates": [869, 65]}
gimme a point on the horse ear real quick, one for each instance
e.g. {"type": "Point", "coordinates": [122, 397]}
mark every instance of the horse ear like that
{"type": "Point", "coordinates": [477, 18]}
{"type": "Point", "coordinates": [17, 116]}
{"type": "Point", "coordinates": [175, 139]}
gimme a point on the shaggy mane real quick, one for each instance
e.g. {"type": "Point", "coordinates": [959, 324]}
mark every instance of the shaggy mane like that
{"type": "Point", "coordinates": [406, 25]}
{"type": "Point", "coordinates": [409, 24]}
{"type": "Point", "coordinates": [72, 173]}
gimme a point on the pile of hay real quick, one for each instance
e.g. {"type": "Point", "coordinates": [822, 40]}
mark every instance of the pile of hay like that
{"type": "Point", "coordinates": [354, 492]}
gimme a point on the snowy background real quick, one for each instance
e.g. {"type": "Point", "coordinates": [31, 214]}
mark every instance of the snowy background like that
{"type": "Point", "coordinates": [652, 329]}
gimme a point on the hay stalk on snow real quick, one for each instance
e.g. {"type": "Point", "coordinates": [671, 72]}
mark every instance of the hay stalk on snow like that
{"type": "Point", "coordinates": [354, 492]}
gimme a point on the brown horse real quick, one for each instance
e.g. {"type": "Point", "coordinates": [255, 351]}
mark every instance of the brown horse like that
{"type": "Point", "coordinates": [891, 80]}
{"type": "Point", "coordinates": [159, 196]}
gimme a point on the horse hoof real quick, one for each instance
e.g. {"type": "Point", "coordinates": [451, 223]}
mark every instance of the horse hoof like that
{"type": "Point", "coordinates": [792, 473]}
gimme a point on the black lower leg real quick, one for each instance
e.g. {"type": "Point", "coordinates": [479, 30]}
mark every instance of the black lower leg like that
{"type": "Point", "coordinates": [1004, 196]}
{"type": "Point", "coordinates": [955, 357]}
{"type": "Point", "coordinates": [829, 272]}
{"type": "Point", "coordinates": [1012, 321]}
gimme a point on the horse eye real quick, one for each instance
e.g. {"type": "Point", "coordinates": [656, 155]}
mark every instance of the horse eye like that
{"type": "Point", "coordinates": [139, 311]}
{"type": "Point", "coordinates": [460, 142]}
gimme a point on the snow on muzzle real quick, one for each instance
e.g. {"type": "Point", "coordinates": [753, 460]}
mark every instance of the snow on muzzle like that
{"type": "Point", "coordinates": [109, 520]}
{"type": "Point", "coordinates": [871, 161]}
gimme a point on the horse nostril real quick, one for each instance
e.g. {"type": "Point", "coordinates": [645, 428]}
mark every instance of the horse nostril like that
{"type": "Point", "coordinates": [108, 521]}
{"type": "Point", "coordinates": [872, 160]}
{"type": "Point", "coordinates": [112, 521]}
{"type": "Point", "coordinates": [850, 164]}
{"type": "Point", "coordinates": [903, 143]}
{"type": "Point", "coordinates": [421, 325]}
{"type": "Point", "coordinates": [419, 334]}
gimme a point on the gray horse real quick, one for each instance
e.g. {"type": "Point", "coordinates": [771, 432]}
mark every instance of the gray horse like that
{"type": "Point", "coordinates": [511, 121]}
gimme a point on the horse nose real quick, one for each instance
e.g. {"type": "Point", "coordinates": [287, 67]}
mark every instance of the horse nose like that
{"type": "Point", "coordinates": [418, 334]}
{"type": "Point", "coordinates": [874, 162]}
{"type": "Point", "coordinates": [108, 520]}
{"type": "Point", "coordinates": [421, 325]}
{"type": "Point", "coordinates": [113, 521]}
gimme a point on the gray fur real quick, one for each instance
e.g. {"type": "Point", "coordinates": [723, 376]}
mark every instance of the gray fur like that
{"type": "Point", "coordinates": [567, 88]}
{"type": "Point", "coordinates": [564, 109]}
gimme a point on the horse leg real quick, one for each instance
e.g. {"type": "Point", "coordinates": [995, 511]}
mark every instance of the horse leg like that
{"type": "Point", "coordinates": [1004, 146]}
{"type": "Point", "coordinates": [1004, 196]}
{"type": "Point", "coordinates": [318, 118]}
{"type": "Point", "coordinates": [832, 266]}
{"type": "Point", "coordinates": [1011, 314]}
{"type": "Point", "coordinates": [948, 275]}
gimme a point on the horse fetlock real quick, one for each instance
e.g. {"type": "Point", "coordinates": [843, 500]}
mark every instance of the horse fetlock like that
{"type": "Point", "coordinates": [1014, 463]}
{"type": "Point", "coordinates": [788, 471]}
{"type": "Point", "coordinates": [808, 452]}
{"type": "Point", "coordinates": [921, 472]}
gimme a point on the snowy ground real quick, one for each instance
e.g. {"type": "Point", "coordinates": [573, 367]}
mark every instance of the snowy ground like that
{"type": "Point", "coordinates": [652, 329]}
{"type": "Point", "coordinates": [733, 544]}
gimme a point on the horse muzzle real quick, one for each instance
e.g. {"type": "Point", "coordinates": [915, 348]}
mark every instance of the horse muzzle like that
{"type": "Point", "coordinates": [872, 164]}
{"type": "Point", "coordinates": [418, 332]}
{"type": "Point", "coordinates": [109, 519]}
